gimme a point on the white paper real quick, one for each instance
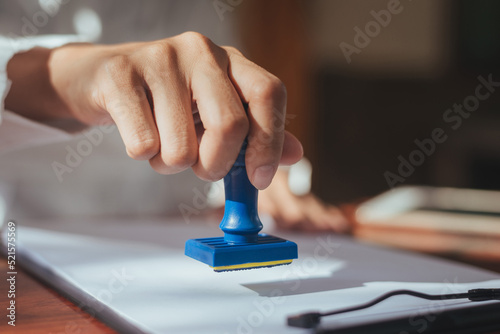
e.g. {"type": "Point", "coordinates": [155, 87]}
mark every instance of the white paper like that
{"type": "Point", "coordinates": [134, 276]}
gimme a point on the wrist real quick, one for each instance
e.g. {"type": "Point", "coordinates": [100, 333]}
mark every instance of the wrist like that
{"type": "Point", "coordinates": [32, 94]}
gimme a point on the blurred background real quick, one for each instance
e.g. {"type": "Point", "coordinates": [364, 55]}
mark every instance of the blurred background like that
{"type": "Point", "coordinates": [365, 79]}
{"type": "Point", "coordinates": [356, 115]}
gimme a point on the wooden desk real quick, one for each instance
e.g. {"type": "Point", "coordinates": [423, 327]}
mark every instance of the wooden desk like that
{"type": "Point", "coordinates": [39, 309]}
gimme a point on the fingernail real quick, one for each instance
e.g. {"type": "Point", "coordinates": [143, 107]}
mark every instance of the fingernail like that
{"type": "Point", "coordinates": [262, 176]}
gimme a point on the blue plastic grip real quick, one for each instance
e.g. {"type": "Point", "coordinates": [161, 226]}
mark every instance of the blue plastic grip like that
{"type": "Point", "coordinates": [241, 243]}
{"type": "Point", "coordinates": [241, 223]}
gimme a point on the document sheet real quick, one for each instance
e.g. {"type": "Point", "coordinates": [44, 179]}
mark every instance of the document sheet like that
{"type": "Point", "coordinates": [133, 275]}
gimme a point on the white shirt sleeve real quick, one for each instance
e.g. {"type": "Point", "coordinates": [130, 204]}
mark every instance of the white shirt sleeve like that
{"type": "Point", "coordinates": [18, 132]}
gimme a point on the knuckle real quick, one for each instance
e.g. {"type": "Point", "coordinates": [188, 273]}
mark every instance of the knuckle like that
{"type": "Point", "coordinates": [158, 60]}
{"type": "Point", "coordinates": [160, 51]}
{"type": "Point", "coordinates": [204, 175]}
{"type": "Point", "coordinates": [233, 50]}
{"type": "Point", "coordinates": [210, 172]}
{"type": "Point", "coordinates": [117, 72]}
{"type": "Point", "coordinates": [211, 176]}
{"type": "Point", "coordinates": [159, 166]}
{"type": "Point", "coordinates": [116, 65]}
{"type": "Point", "coordinates": [184, 156]}
{"type": "Point", "coordinates": [270, 89]}
{"type": "Point", "coordinates": [234, 128]}
{"type": "Point", "coordinates": [197, 39]}
{"type": "Point", "coordinates": [143, 149]}
{"type": "Point", "coordinates": [206, 54]}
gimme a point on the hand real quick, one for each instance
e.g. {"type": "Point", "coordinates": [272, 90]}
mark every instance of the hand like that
{"type": "Point", "coordinates": [304, 213]}
{"type": "Point", "coordinates": [176, 102]}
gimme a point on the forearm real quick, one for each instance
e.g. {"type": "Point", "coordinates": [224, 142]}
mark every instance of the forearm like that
{"type": "Point", "coordinates": [31, 94]}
